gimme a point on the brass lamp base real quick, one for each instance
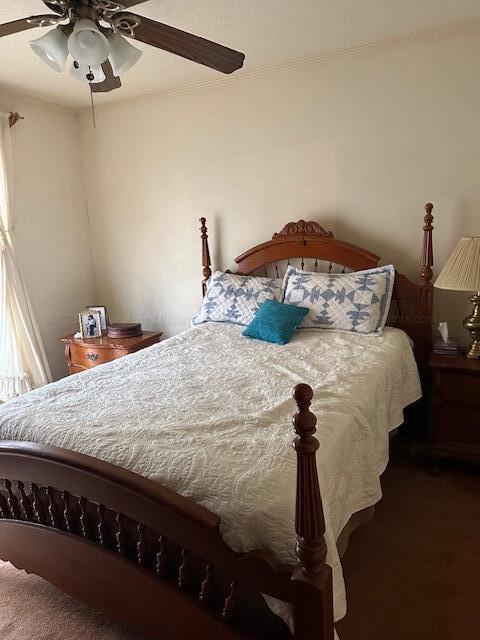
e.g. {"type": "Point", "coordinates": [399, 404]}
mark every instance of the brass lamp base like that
{"type": "Point", "coordinates": [472, 325]}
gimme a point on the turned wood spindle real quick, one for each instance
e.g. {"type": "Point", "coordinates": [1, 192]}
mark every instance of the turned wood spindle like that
{"type": "Point", "coordinates": [161, 558]}
{"type": "Point", "coordinates": [120, 534]}
{"type": "Point", "coordinates": [12, 500]}
{"type": "Point", "coordinates": [82, 503]}
{"type": "Point", "coordinates": [38, 510]}
{"type": "Point", "coordinates": [4, 510]}
{"type": "Point", "coordinates": [276, 269]}
{"type": "Point", "coordinates": [183, 571]}
{"type": "Point", "coordinates": [330, 267]}
{"type": "Point", "coordinates": [52, 508]}
{"type": "Point", "coordinates": [25, 502]}
{"type": "Point", "coordinates": [206, 264]}
{"type": "Point", "coordinates": [207, 585]}
{"type": "Point", "coordinates": [230, 601]}
{"type": "Point", "coordinates": [141, 545]}
{"type": "Point", "coordinates": [316, 265]}
{"type": "Point", "coordinates": [101, 524]}
{"type": "Point", "coordinates": [67, 511]}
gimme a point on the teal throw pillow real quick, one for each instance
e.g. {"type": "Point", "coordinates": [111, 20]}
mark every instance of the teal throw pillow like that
{"type": "Point", "coordinates": [275, 322]}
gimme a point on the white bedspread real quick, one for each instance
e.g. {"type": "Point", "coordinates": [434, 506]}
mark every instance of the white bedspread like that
{"type": "Point", "coordinates": [208, 414]}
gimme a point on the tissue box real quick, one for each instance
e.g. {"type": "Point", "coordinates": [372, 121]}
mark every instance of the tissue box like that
{"type": "Point", "coordinates": [449, 348]}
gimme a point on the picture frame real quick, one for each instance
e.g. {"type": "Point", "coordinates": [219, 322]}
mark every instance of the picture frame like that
{"type": "Point", "coordinates": [90, 323]}
{"type": "Point", "coordinates": [103, 314]}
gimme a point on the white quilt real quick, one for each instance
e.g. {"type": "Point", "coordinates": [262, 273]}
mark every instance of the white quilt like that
{"type": "Point", "coordinates": [208, 414]}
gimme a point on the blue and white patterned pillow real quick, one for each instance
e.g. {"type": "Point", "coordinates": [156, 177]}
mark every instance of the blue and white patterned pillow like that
{"type": "Point", "coordinates": [357, 301]}
{"type": "Point", "coordinates": [236, 299]}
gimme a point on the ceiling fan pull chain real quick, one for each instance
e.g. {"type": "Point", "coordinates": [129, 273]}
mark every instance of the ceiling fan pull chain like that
{"type": "Point", "coordinates": [94, 120]}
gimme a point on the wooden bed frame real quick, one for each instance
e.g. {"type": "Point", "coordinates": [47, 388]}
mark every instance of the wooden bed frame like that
{"type": "Point", "coordinates": [154, 559]}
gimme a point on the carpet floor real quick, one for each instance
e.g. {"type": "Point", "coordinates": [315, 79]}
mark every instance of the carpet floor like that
{"type": "Point", "coordinates": [412, 572]}
{"type": "Point", "coordinates": [32, 609]}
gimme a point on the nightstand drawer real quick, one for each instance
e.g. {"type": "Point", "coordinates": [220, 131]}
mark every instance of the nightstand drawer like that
{"type": "Point", "coordinates": [91, 356]}
{"type": "Point", "coordinates": [460, 424]}
{"type": "Point", "coordinates": [455, 424]}
{"type": "Point", "coordinates": [85, 354]}
{"type": "Point", "coordinates": [461, 388]}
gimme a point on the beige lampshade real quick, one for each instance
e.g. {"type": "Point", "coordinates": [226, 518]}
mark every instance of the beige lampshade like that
{"type": "Point", "coordinates": [462, 270]}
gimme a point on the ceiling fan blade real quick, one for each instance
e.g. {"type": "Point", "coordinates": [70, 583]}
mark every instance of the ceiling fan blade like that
{"type": "Point", "coordinates": [16, 26]}
{"type": "Point", "coordinates": [54, 7]}
{"type": "Point", "coordinates": [184, 44]}
{"type": "Point", "coordinates": [110, 83]}
{"type": "Point", "coordinates": [130, 3]}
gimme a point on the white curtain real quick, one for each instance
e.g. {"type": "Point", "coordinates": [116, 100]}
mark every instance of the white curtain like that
{"type": "Point", "coordinates": [23, 363]}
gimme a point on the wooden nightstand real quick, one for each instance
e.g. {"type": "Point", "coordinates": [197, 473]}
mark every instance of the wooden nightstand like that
{"type": "Point", "coordinates": [86, 353]}
{"type": "Point", "coordinates": [455, 427]}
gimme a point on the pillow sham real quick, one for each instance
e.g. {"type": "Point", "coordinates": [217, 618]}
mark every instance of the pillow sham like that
{"type": "Point", "coordinates": [236, 299]}
{"type": "Point", "coordinates": [357, 301]}
{"type": "Point", "coordinates": [275, 322]}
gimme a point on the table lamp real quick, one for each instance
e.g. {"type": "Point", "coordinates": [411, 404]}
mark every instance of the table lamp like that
{"type": "Point", "coordinates": [462, 273]}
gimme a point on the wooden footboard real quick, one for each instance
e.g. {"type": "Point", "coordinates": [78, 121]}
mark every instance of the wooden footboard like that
{"type": "Point", "coordinates": [154, 559]}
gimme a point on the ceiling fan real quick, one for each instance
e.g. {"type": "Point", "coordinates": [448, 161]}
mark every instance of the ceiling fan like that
{"type": "Point", "coordinates": [92, 32]}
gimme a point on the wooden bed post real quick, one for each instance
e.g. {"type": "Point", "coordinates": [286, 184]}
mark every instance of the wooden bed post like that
{"type": "Point", "coordinates": [427, 245]}
{"type": "Point", "coordinates": [207, 272]}
{"type": "Point", "coordinates": [426, 287]}
{"type": "Point", "coordinates": [312, 580]}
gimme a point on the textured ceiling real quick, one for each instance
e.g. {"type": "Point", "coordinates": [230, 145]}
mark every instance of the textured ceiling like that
{"type": "Point", "coordinates": [269, 32]}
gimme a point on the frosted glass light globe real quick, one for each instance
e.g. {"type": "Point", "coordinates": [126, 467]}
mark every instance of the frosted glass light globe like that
{"type": "Point", "coordinates": [52, 49]}
{"type": "Point", "coordinates": [123, 55]}
{"type": "Point", "coordinates": [87, 44]}
{"type": "Point", "coordinates": [87, 39]}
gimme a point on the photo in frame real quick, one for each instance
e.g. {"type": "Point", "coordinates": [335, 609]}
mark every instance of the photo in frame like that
{"type": "Point", "coordinates": [103, 314]}
{"type": "Point", "coordinates": [90, 323]}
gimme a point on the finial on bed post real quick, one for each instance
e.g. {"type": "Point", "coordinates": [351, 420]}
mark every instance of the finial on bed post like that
{"type": "Point", "coordinates": [312, 580]}
{"type": "Point", "coordinates": [207, 272]}
{"type": "Point", "coordinates": [425, 303]}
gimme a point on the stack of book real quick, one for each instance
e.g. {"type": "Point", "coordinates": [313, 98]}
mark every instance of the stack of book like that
{"type": "Point", "coordinates": [448, 348]}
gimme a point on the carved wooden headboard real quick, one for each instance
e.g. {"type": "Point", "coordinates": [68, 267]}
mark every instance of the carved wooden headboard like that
{"type": "Point", "coordinates": [411, 302]}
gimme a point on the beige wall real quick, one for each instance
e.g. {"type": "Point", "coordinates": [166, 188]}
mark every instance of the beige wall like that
{"type": "Point", "coordinates": [51, 226]}
{"type": "Point", "coordinates": [358, 142]}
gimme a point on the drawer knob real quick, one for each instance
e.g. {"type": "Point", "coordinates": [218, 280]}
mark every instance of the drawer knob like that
{"type": "Point", "coordinates": [92, 356]}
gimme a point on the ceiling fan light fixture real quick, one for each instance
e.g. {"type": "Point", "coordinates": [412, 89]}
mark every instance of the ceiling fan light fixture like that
{"type": "Point", "coordinates": [87, 44]}
{"type": "Point", "coordinates": [123, 55]}
{"type": "Point", "coordinates": [52, 48]}
{"type": "Point", "coordinates": [81, 71]}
